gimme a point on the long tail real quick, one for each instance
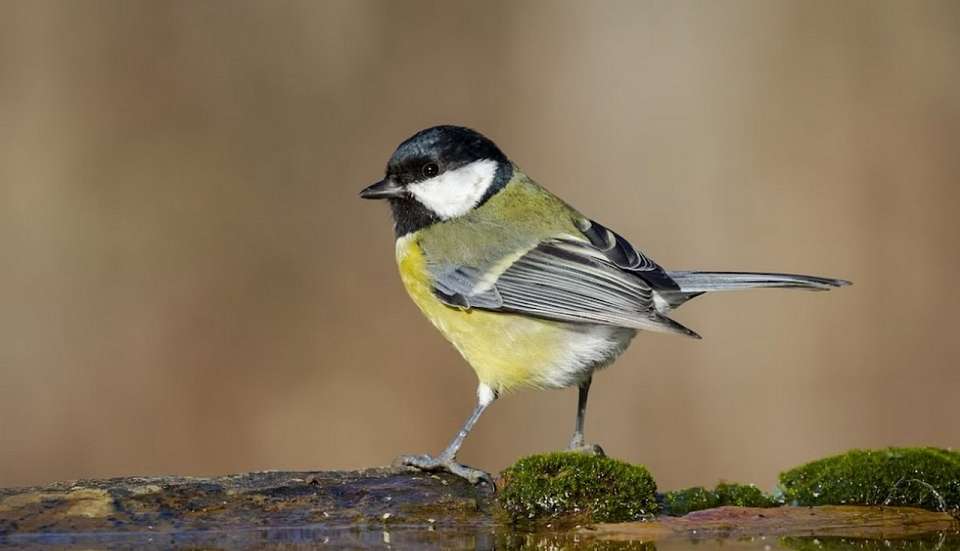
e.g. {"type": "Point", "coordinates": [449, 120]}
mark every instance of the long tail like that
{"type": "Point", "coordinates": [693, 284]}
{"type": "Point", "coordinates": [703, 282]}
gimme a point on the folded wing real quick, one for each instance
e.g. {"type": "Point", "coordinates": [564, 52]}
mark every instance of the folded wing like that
{"type": "Point", "coordinates": [565, 279]}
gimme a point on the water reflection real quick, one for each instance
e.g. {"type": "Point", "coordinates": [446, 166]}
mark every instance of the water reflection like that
{"type": "Point", "coordinates": [939, 541]}
{"type": "Point", "coordinates": [405, 537]}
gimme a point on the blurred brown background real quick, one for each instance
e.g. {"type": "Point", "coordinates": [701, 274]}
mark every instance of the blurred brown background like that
{"type": "Point", "coordinates": [191, 285]}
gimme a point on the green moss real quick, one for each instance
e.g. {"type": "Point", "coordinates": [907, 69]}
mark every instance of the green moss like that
{"type": "Point", "coordinates": [918, 477]}
{"type": "Point", "coordinates": [576, 486]}
{"type": "Point", "coordinates": [698, 498]}
{"type": "Point", "coordinates": [743, 495]}
{"type": "Point", "coordinates": [680, 502]}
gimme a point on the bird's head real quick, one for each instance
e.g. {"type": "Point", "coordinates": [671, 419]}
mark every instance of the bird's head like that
{"type": "Point", "coordinates": [440, 173]}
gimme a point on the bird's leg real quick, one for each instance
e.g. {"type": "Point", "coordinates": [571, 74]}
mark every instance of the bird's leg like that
{"type": "Point", "coordinates": [447, 460]}
{"type": "Point", "coordinates": [577, 443]}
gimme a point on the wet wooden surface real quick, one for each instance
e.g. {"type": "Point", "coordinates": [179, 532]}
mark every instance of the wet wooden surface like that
{"type": "Point", "coordinates": [250, 500]}
{"type": "Point", "coordinates": [827, 520]}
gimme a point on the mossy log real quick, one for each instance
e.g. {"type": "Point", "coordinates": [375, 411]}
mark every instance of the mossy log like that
{"type": "Point", "coordinates": [370, 507]}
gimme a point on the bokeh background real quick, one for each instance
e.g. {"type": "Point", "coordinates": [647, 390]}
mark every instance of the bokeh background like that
{"type": "Point", "coordinates": [190, 285]}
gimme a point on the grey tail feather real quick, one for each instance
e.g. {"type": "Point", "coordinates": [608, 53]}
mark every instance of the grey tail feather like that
{"type": "Point", "coordinates": [693, 284]}
{"type": "Point", "coordinates": [703, 282]}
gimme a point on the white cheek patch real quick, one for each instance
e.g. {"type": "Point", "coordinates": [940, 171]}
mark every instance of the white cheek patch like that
{"type": "Point", "coordinates": [455, 192]}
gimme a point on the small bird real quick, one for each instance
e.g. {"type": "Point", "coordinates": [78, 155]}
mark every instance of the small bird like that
{"type": "Point", "coordinates": [531, 292]}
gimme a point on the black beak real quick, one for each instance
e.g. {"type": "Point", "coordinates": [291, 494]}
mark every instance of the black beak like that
{"type": "Point", "coordinates": [384, 189]}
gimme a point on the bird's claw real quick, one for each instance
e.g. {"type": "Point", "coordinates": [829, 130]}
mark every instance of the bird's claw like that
{"type": "Point", "coordinates": [444, 464]}
{"type": "Point", "coordinates": [589, 449]}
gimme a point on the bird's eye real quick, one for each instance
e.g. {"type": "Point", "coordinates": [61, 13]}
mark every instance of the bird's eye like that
{"type": "Point", "coordinates": [429, 170]}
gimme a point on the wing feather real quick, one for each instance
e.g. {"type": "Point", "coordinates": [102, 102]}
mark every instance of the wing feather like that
{"type": "Point", "coordinates": [621, 253]}
{"type": "Point", "coordinates": [565, 279]}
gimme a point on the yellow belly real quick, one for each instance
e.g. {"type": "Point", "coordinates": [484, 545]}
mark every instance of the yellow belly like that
{"type": "Point", "coordinates": [508, 351]}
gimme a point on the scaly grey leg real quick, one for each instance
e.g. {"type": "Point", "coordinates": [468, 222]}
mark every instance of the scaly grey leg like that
{"type": "Point", "coordinates": [447, 460]}
{"type": "Point", "coordinates": [577, 443]}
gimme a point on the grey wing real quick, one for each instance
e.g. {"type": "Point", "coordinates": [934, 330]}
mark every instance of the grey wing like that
{"type": "Point", "coordinates": [559, 279]}
{"type": "Point", "coordinates": [460, 286]}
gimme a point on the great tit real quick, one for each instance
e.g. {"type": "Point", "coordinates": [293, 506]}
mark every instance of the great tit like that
{"type": "Point", "coordinates": [531, 292]}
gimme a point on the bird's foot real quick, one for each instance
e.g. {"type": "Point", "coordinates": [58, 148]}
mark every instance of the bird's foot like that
{"type": "Point", "coordinates": [444, 464]}
{"type": "Point", "coordinates": [589, 449]}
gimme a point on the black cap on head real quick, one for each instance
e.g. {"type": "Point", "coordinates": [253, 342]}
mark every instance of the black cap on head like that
{"type": "Point", "coordinates": [430, 153]}
{"type": "Point", "coordinates": [449, 146]}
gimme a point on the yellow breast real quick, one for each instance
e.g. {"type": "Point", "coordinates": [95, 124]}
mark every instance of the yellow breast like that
{"type": "Point", "coordinates": [505, 350]}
